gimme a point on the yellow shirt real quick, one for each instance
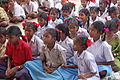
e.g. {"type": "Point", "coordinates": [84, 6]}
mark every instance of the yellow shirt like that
{"type": "Point", "coordinates": [3, 15]}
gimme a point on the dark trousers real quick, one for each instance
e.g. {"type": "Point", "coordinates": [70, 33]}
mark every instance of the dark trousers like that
{"type": "Point", "coordinates": [23, 74]}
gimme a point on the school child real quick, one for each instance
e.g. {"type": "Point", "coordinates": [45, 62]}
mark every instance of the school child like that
{"type": "Point", "coordinates": [55, 14]}
{"type": "Point", "coordinates": [52, 56]}
{"type": "Point", "coordinates": [101, 49]}
{"type": "Point", "coordinates": [113, 12]}
{"type": "Point", "coordinates": [113, 3]}
{"type": "Point", "coordinates": [18, 51]}
{"type": "Point", "coordinates": [84, 60]}
{"type": "Point", "coordinates": [103, 5]}
{"type": "Point", "coordinates": [75, 29]}
{"type": "Point", "coordinates": [65, 41]}
{"type": "Point", "coordinates": [118, 6]}
{"type": "Point", "coordinates": [114, 41]}
{"type": "Point", "coordinates": [3, 42]}
{"type": "Point", "coordinates": [16, 11]}
{"type": "Point", "coordinates": [94, 15]}
{"type": "Point", "coordinates": [34, 41]}
{"type": "Point", "coordinates": [30, 9]}
{"type": "Point", "coordinates": [43, 19]}
{"type": "Point", "coordinates": [3, 18]}
{"type": "Point", "coordinates": [60, 4]}
{"type": "Point", "coordinates": [36, 5]}
{"type": "Point", "coordinates": [84, 17]}
{"type": "Point", "coordinates": [65, 12]}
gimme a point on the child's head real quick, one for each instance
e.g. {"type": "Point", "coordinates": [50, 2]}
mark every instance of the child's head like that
{"type": "Point", "coordinates": [30, 28]}
{"type": "Point", "coordinates": [4, 3]}
{"type": "Point", "coordinates": [84, 14]}
{"type": "Point", "coordinates": [73, 26]}
{"type": "Point", "coordinates": [50, 36]}
{"type": "Point", "coordinates": [81, 43]}
{"type": "Point", "coordinates": [97, 29]}
{"type": "Point", "coordinates": [112, 26]}
{"type": "Point", "coordinates": [14, 34]}
{"type": "Point", "coordinates": [66, 11]}
{"type": "Point", "coordinates": [117, 21]}
{"type": "Point", "coordinates": [2, 35]}
{"type": "Point", "coordinates": [114, 1]}
{"type": "Point", "coordinates": [113, 12]}
{"type": "Point", "coordinates": [102, 4]}
{"type": "Point", "coordinates": [71, 5]}
{"type": "Point", "coordinates": [84, 3]}
{"type": "Point", "coordinates": [94, 11]}
{"type": "Point", "coordinates": [54, 13]}
{"type": "Point", "coordinates": [63, 30]}
{"type": "Point", "coordinates": [42, 18]}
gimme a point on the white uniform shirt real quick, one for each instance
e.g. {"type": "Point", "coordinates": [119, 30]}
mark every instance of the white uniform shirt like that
{"type": "Point", "coordinates": [41, 30]}
{"type": "Point", "coordinates": [83, 31]}
{"type": "Point", "coordinates": [29, 7]}
{"type": "Point", "coordinates": [36, 45]}
{"type": "Point", "coordinates": [102, 51]}
{"type": "Point", "coordinates": [86, 64]}
{"type": "Point", "coordinates": [55, 23]}
{"type": "Point", "coordinates": [67, 44]}
{"type": "Point", "coordinates": [18, 10]}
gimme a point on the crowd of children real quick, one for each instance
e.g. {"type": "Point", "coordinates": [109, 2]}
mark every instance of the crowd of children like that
{"type": "Point", "coordinates": [65, 43]}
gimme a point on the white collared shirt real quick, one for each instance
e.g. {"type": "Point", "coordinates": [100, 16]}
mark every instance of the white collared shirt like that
{"type": "Point", "coordinates": [102, 51]}
{"type": "Point", "coordinates": [18, 10]}
{"type": "Point", "coordinates": [36, 45]}
{"type": "Point", "coordinates": [82, 31]}
{"type": "Point", "coordinates": [41, 30]}
{"type": "Point", "coordinates": [86, 64]}
{"type": "Point", "coordinates": [28, 8]}
{"type": "Point", "coordinates": [55, 23]}
{"type": "Point", "coordinates": [68, 45]}
{"type": "Point", "coordinates": [104, 15]}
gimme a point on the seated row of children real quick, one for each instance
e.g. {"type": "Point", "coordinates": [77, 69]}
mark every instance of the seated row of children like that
{"type": "Point", "coordinates": [49, 55]}
{"type": "Point", "coordinates": [18, 10]}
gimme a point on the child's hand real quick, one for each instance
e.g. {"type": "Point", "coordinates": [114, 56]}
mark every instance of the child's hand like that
{"type": "Point", "coordinates": [48, 70]}
{"type": "Point", "coordinates": [63, 65]}
{"type": "Point", "coordinates": [11, 72]}
{"type": "Point", "coordinates": [82, 76]}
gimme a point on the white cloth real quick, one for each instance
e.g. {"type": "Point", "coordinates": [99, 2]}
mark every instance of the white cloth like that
{"type": "Point", "coordinates": [55, 23]}
{"type": "Point", "coordinates": [82, 31]}
{"type": "Point", "coordinates": [18, 10]}
{"type": "Point", "coordinates": [36, 45]}
{"type": "Point", "coordinates": [86, 64]}
{"type": "Point", "coordinates": [102, 51]}
{"type": "Point", "coordinates": [41, 30]}
{"type": "Point", "coordinates": [68, 45]}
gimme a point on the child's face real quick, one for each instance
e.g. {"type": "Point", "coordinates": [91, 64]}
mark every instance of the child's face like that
{"type": "Point", "coordinates": [114, 14]}
{"type": "Point", "coordinates": [93, 13]}
{"type": "Point", "coordinates": [29, 32]}
{"type": "Point", "coordinates": [41, 21]}
{"type": "Point", "coordinates": [110, 33]}
{"type": "Point", "coordinates": [65, 13]}
{"type": "Point", "coordinates": [84, 3]}
{"type": "Point", "coordinates": [102, 5]}
{"type": "Point", "coordinates": [76, 45]}
{"type": "Point", "coordinates": [73, 28]}
{"type": "Point", "coordinates": [54, 15]}
{"type": "Point", "coordinates": [13, 39]}
{"type": "Point", "coordinates": [62, 36]}
{"type": "Point", "coordinates": [82, 16]}
{"type": "Point", "coordinates": [47, 38]}
{"type": "Point", "coordinates": [2, 39]}
{"type": "Point", "coordinates": [114, 1]}
{"type": "Point", "coordinates": [93, 31]}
